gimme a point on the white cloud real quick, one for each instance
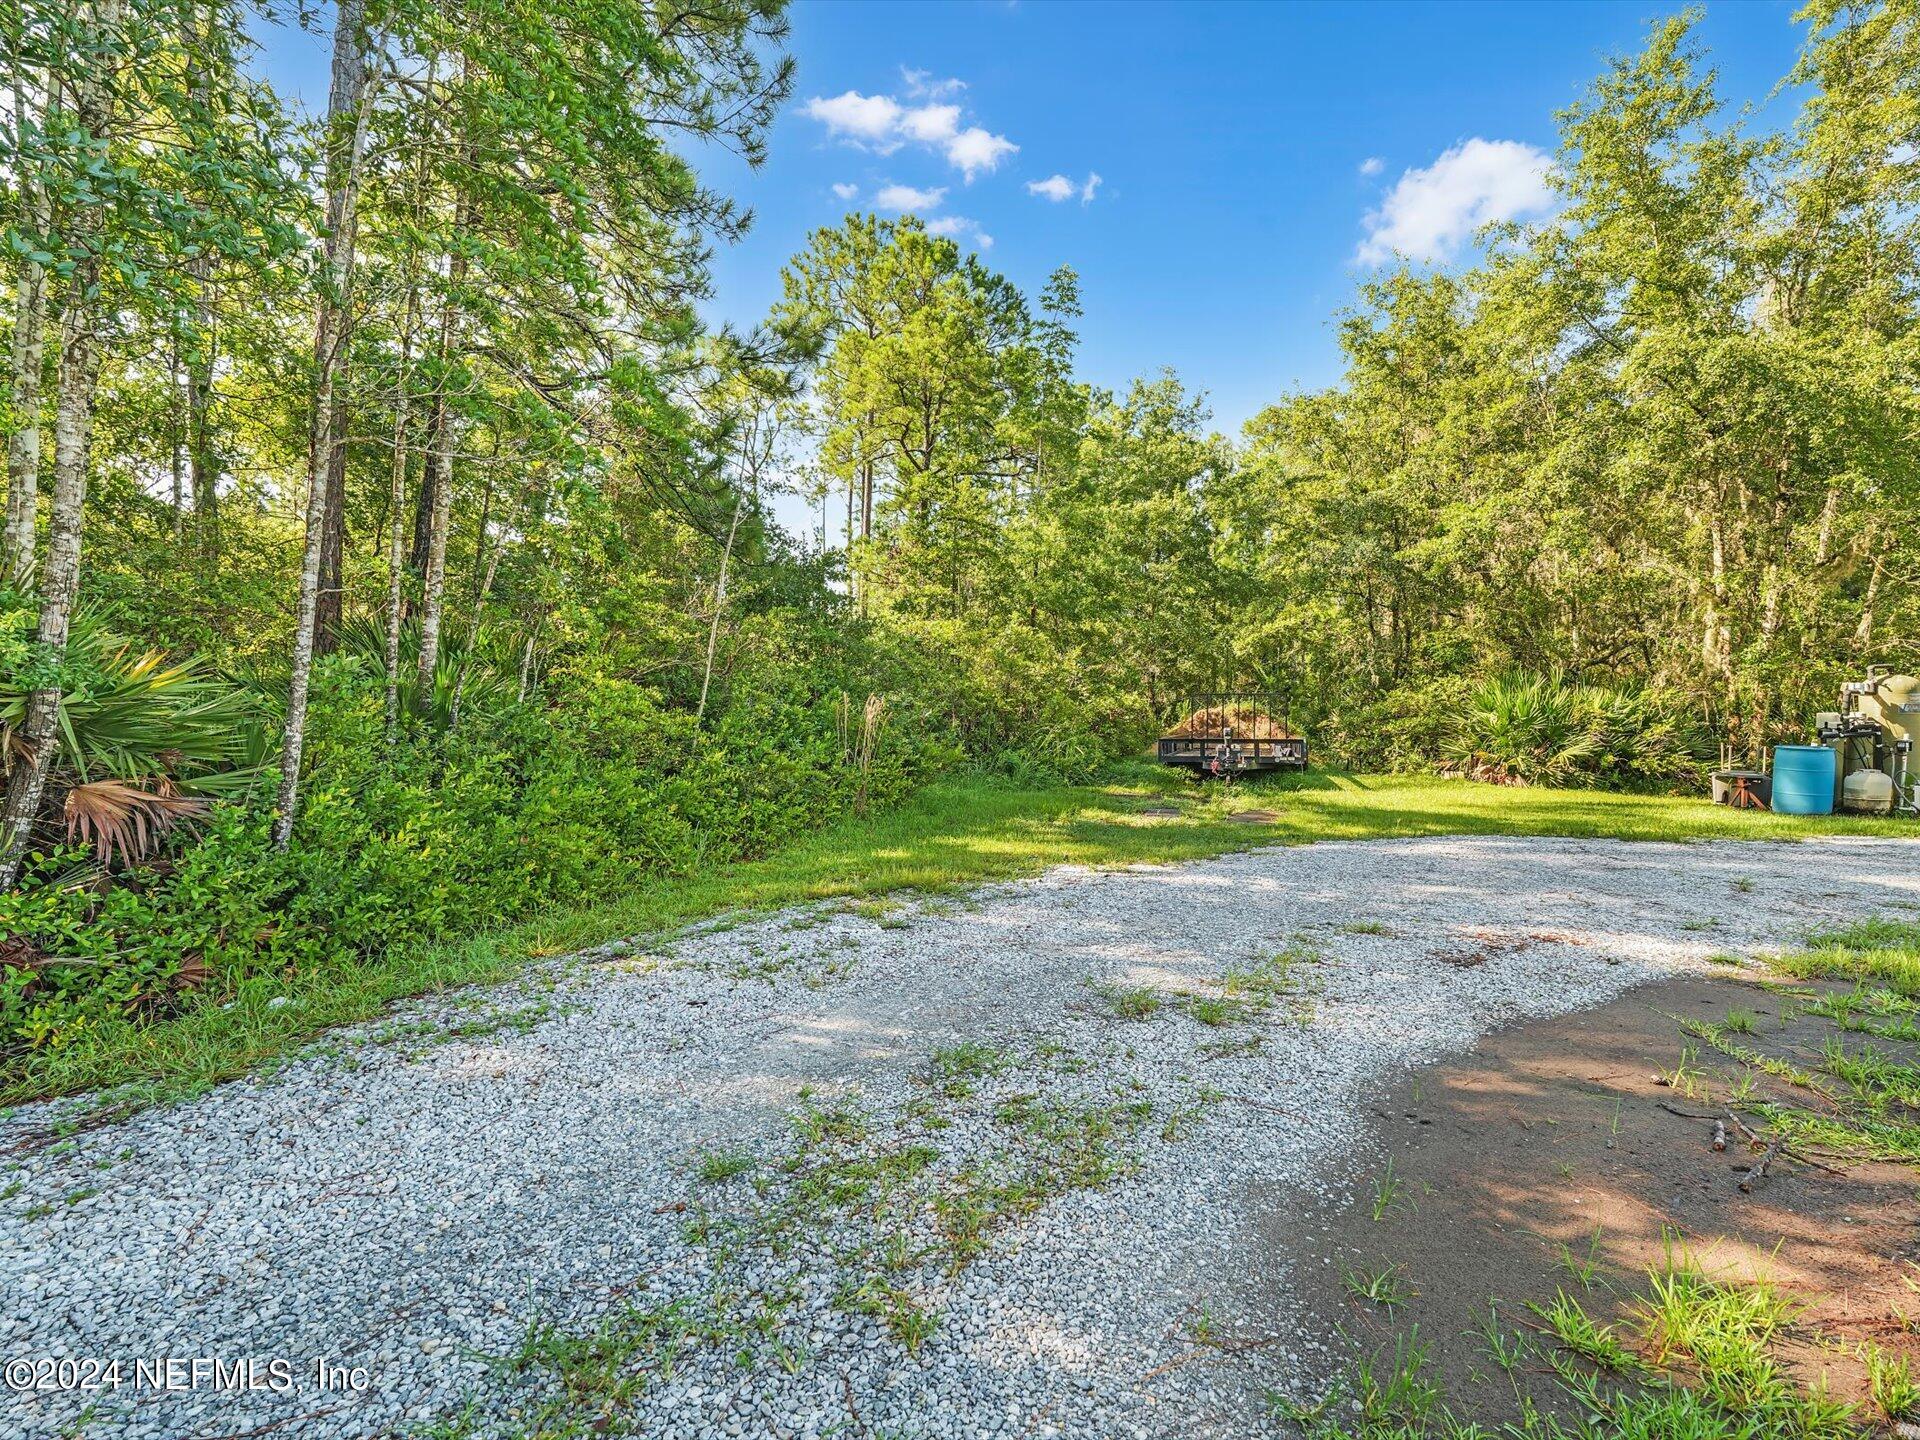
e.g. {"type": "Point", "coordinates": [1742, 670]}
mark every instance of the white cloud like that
{"type": "Point", "coordinates": [846, 191]}
{"type": "Point", "coordinates": [931, 124]}
{"type": "Point", "coordinates": [906, 197]}
{"type": "Point", "coordinates": [1429, 214]}
{"type": "Point", "coordinates": [960, 227]}
{"type": "Point", "coordinates": [974, 150]}
{"type": "Point", "coordinates": [869, 119]}
{"type": "Point", "coordinates": [920, 83]}
{"type": "Point", "coordinates": [881, 123]}
{"type": "Point", "coordinates": [1059, 188]}
{"type": "Point", "coordinates": [1372, 165]}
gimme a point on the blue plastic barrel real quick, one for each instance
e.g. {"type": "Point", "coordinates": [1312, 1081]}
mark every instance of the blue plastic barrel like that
{"type": "Point", "coordinates": [1803, 779]}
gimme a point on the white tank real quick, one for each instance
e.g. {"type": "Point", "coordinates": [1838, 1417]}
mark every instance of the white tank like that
{"type": "Point", "coordinates": [1868, 792]}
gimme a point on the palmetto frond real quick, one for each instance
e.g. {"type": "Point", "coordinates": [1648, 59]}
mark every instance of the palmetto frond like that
{"type": "Point", "coordinates": [121, 818]}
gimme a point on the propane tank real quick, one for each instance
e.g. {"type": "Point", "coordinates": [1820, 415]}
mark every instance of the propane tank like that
{"type": "Point", "coordinates": [1867, 792]}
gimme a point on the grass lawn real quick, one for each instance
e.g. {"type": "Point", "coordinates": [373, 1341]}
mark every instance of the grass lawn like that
{"type": "Point", "coordinates": [956, 832]}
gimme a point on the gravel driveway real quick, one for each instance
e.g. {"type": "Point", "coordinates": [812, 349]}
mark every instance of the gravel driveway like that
{"type": "Point", "coordinates": [986, 1166]}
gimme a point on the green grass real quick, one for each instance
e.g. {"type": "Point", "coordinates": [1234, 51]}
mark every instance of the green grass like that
{"type": "Point", "coordinates": [1864, 1098]}
{"type": "Point", "coordinates": [1382, 1285]}
{"type": "Point", "coordinates": [960, 831]}
{"type": "Point", "coordinates": [1885, 952]}
{"type": "Point", "coordinates": [1696, 1358]}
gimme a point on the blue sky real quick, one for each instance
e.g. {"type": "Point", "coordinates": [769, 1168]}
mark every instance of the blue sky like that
{"type": "Point", "coordinates": [1241, 150]}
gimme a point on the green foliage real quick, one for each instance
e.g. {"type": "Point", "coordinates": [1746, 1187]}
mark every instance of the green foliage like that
{"type": "Point", "coordinates": [1632, 486]}
{"type": "Point", "coordinates": [1539, 729]}
{"type": "Point", "coordinates": [442, 837]}
{"type": "Point", "coordinates": [126, 712]}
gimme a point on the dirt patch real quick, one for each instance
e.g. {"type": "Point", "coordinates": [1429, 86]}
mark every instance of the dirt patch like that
{"type": "Point", "coordinates": [1253, 817]}
{"type": "Point", "coordinates": [1545, 1162]}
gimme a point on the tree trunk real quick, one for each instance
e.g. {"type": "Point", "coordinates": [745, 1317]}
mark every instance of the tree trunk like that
{"type": "Point", "coordinates": [439, 480]}
{"type": "Point", "coordinates": [396, 503]}
{"type": "Point", "coordinates": [72, 427]}
{"type": "Point", "coordinates": [526, 658]}
{"type": "Point", "coordinates": [28, 366]}
{"type": "Point", "coordinates": [333, 530]}
{"type": "Point", "coordinates": [345, 111]}
{"type": "Point", "coordinates": [177, 436]}
{"type": "Point", "coordinates": [1863, 632]}
{"type": "Point", "coordinates": [719, 605]}
{"type": "Point", "coordinates": [433, 574]}
{"type": "Point", "coordinates": [201, 477]}
{"type": "Point", "coordinates": [484, 589]}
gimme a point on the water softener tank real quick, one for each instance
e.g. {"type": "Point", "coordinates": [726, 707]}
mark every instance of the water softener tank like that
{"type": "Point", "coordinates": [1803, 779]}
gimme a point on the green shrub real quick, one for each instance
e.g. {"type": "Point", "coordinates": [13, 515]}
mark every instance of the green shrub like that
{"type": "Point", "coordinates": [1543, 730]}
{"type": "Point", "coordinates": [522, 807]}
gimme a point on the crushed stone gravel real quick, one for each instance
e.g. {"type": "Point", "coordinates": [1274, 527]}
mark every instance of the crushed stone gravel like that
{"type": "Point", "coordinates": [409, 1198]}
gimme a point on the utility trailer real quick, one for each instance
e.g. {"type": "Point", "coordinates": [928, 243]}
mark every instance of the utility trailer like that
{"type": "Point", "coordinates": [1227, 733]}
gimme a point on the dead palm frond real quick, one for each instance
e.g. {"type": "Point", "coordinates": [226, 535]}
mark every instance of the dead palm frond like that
{"type": "Point", "coordinates": [118, 817]}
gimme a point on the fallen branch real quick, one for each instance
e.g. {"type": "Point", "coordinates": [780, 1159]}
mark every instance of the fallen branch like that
{"type": "Point", "coordinates": [859, 1424]}
{"type": "Point", "coordinates": [1759, 1171]}
{"type": "Point", "coordinates": [1173, 1364]}
{"type": "Point", "coordinates": [1753, 1139]}
{"type": "Point", "coordinates": [1719, 1134]}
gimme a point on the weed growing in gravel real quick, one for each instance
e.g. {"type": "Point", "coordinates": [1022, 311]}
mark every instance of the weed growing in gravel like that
{"type": "Point", "coordinates": [1274, 982]}
{"type": "Point", "coordinates": [907, 1320]}
{"type": "Point", "coordinates": [1131, 1002]}
{"type": "Point", "coordinates": [1214, 1010]}
{"type": "Point", "coordinates": [487, 1018]}
{"type": "Point", "coordinates": [1365, 927]}
{"type": "Point", "coordinates": [719, 1166]}
{"type": "Point", "coordinates": [600, 1373]}
{"type": "Point", "coordinates": [1233, 1045]}
{"type": "Point", "coordinates": [958, 1066]}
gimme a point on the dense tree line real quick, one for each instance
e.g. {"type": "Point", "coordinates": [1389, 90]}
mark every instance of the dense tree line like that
{"type": "Point", "coordinates": [1661, 446]}
{"type": "Point", "coordinates": [387, 541]}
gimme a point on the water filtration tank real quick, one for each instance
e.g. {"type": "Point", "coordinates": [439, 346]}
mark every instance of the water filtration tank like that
{"type": "Point", "coordinates": [1803, 779]}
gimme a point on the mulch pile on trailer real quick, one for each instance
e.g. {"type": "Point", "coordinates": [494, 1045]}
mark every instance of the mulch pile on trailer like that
{"type": "Point", "coordinates": [1208, 723]}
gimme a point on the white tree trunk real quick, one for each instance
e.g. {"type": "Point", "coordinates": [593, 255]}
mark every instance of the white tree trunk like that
{"type": "Point", "coordinates": [28, 362]}
{"type": "Point", "coordinates": [396, 534]}
{"type": "Point", "coordinates": [433, 583]}
{"type": "Point", "coordinates": [719, 605]}
{"type": "Point", "coordinates": [72, 428]}
{"type": "Point", "coordinates": [345, 108]}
